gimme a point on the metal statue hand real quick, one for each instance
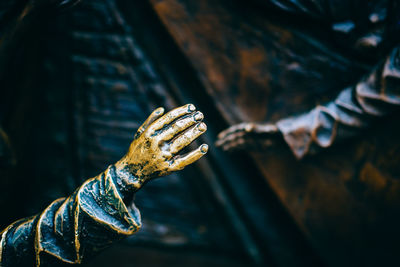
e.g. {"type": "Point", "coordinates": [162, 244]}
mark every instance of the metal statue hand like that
{"type": "Point", "coordinates": [254, 136]}
{"type": "Point", "coordinates": [155, 150]}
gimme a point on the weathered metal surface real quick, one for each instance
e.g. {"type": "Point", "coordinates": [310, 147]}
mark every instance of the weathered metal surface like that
{"type": "Point", "coordinates": [115, 85]}
{"type": "Point", "coordinates": [105, 86]}
{"type": "Point", "coordinates": [261, 64]}
{"type": "Point", "coordinates": [101, 211]}
{"type": "Point", "coordinates": [83, 85]}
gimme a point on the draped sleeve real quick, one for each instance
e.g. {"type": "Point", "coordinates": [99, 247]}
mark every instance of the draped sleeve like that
{"type": "Point", "coordinates": [71, 229]}
{"type": "Point", "coordinates": [355, 108]}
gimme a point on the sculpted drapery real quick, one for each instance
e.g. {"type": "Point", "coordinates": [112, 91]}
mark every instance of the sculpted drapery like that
{"type": "Point", "coordinates": [101, 211]}
{"type": "Point", "coordinates": [368, 31]}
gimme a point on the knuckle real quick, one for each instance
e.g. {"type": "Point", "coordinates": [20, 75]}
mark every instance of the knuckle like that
{"type": "Point", "coordinates": [166, 156]}
{"type": "Point", "coordinates": [181, 123]}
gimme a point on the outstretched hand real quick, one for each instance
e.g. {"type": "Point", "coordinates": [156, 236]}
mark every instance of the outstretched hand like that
{"type": "Point", "coordinates": [155, 149]}
{"type": "Point", "coordinates": [253, 136]}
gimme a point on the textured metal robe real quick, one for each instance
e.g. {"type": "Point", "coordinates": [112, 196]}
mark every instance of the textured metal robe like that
{"type": "Point", "coordinates": [69, 229]}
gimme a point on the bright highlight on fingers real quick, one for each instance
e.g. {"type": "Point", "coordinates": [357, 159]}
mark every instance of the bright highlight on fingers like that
{"type": "Point", "coordinates": [179, 126]}
{"type": "Point", "coordinates": [171, 116]}
{"type": "Point", "coordinates": [187, 137]}
{"type": "Point", "coordinates": [202, 127]}
{"type": "Point", "coordinates": [182, 161]}
{"type": "Point", "coordinates": [157, 113]}
{"type": "Point", "coordinates": [204, 148]}
{"type": "Point", "coordinates": [198, 116]}
{"type": "Point", "coordinates": [191, 107]}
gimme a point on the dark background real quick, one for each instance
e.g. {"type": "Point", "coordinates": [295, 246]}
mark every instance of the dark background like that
{"type": "Point", "coordinates": [84, 81]}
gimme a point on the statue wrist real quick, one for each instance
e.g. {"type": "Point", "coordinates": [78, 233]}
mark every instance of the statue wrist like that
{"type": "Point", "coordinates": [126, 182]}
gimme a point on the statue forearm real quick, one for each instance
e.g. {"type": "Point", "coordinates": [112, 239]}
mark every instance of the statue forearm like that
{"type": "Point", "coordinates": [72, 229]}
{"type": "Point", "coordinates": [101, 211]}
{"type": "Point", "coordinates": [357, 107]}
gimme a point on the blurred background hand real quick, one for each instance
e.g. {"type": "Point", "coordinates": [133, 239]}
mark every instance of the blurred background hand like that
{"type": "Point", "coordinates": [248, 135]}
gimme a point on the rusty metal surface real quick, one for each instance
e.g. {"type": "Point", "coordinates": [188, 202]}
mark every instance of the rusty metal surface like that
{"type": "Point", "coordinates": [262, 66]}
{"type": "Point", "coordinates": [96, 86]}
{"type": "Point", "coordinates": [115, 86]}
{"type": "Point", "coordinates": [89, 79]}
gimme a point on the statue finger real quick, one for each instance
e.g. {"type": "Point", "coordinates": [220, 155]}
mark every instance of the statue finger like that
{"type": "Point", "coordinates": [244, 142]}
{"type": "Point", "coordinates": [182, 161]}
{"type": "Point", "coordinates": [228, 131]}
{"type": "Point", "coordinates": [249, 144]}
{"type": "Point", "coordinates": [170, 117]}
{"type": "Point", "coordinates": [230, 138]}
{"type": "Point", "coordinates": [234, 144]}
{"type": "Point", "coordinates": [180, 125]}
{"type": "Point", "coordinates": [187, 137]}
{"type": "Point", "coordinates": [265, 129]}
{"type": "Point", "coordinates": [157, 113]}
{"type": "Point", "coordinates": [241, 127]}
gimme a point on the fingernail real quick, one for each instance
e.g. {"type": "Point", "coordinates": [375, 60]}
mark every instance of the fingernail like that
{"type": "Point", "coordinates": [191, 108]}
{"type": "Point", "coordinates": [198, 116]}
{"type": "Point", "coordinates": [202, 127]}
{"type": "Point", "coordinates": [159, 110]}
{"type": "Point", "coordinates": [204, 148]}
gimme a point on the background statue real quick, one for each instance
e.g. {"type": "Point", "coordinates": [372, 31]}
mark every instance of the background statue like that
{"type": "Point", "coordinates": [63, 126]}
{"type": "Point", "coordinates": [306, 76]}
{"type": "Point", "coordinates": [376, 96]}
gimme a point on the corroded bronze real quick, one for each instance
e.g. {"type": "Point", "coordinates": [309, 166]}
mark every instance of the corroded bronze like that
{"type": "Point", "coordinates": [355, 109]}
{"type": "Point", "coordinates": [101, 211]}
{"type": "Point", "coordinates": [307, 75]}
{"type": "Point", "coordinates": [153, 152]}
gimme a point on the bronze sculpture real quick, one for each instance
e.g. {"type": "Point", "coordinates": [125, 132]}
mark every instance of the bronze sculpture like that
{"type": "Point", "coordinates": [335, 62]}
{"type": "Point", "coordinates": [101, 210]}
{"type": "Point", "coordinates": [257, 61]}
{"type": "Point", "coordinates": [27, 241]}
{"type": "Point", "coordinates": [377, 95]}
